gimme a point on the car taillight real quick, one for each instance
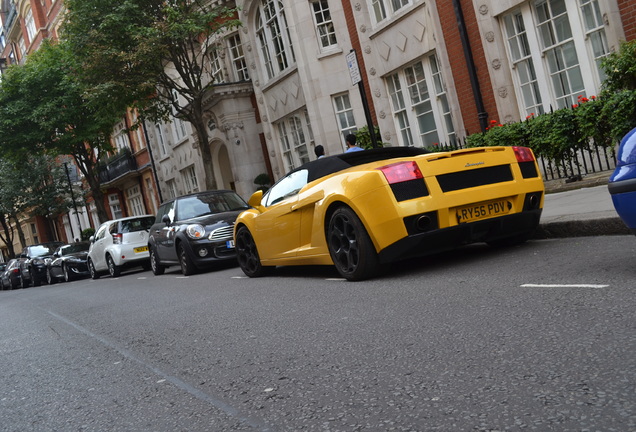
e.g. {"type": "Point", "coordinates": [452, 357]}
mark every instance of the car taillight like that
{"type": "Point", "coordinates": [401, 171]}
{"type": "Point", "coordinates": [117, 238]}
{"type": "Point", "coordinates": [15, 271]}
{"type": "Point", "coordinates": [523, 154]}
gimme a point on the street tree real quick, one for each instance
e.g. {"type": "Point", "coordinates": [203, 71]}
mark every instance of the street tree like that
{"type": "Point", "coordinates": [153, 55]}
{"type": "Point", "coordinates": [45, 109]}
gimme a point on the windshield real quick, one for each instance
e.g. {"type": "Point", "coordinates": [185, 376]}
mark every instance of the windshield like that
{"type": "Point", "coordinates": [200, 205]}
{"type": "Point", "coordinates": [41, 250]}
{"type": "Point", "coordinates": [74, 248]}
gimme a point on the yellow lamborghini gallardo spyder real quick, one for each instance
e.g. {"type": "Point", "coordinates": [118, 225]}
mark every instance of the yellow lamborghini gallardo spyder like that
{"type": "Point", "coordinates": [360, 211]}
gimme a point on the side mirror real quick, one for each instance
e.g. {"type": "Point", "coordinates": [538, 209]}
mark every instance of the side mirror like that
{"type": "Point", "coordinates": [255, 199]}
{"type": "Point", "coordinates": [165, 219]}
{"type": "Point", "coordinates": [91, 239]}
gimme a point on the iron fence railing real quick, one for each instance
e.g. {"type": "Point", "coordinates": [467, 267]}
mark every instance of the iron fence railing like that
{"type": "Point", "coordinates": [592, 159]}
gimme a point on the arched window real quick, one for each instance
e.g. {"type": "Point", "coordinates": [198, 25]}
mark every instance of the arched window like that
{"type": "Point", "coordinates": [273, 38]}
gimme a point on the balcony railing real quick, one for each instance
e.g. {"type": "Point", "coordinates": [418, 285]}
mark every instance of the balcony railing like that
{"type": "Point", "coordinates": [117, 167]}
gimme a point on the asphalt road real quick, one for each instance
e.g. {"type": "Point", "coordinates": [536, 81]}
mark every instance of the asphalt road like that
{"type": "Point", "coordinates": [539, 337]}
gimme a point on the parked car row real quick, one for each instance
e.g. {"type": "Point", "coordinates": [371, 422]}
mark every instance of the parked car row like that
{"type": "Point", "coordinates": [356, 211]}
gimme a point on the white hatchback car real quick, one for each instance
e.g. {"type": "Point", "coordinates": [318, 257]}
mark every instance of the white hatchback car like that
{"type": "Point", "coordinates": [119, 244]}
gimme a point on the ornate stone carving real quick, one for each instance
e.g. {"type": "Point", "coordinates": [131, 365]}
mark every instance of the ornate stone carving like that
{"type": "Point", "coordinates": [367, 49]}
{"type": "Point", "coordinates": [363, 28]}
{"type": "Point", "coordinates": [387, 136]}
{"type": "Point", "coordinates": [483, 9]}
{"type": "Point", "coordinates": [372, 71]}
{"type": "Point", "coordinates": [357, 7]}
{"type": "Point", "coordinates": [503, 92]}
{"type": "Point", "coordinates": [382, 115]}
{"type": "Point", "coordinates": [496, 64]}
{"type": "Point", "coordinates": [377, 92]}
{"type": "Point", "coordinates": [490, 36]}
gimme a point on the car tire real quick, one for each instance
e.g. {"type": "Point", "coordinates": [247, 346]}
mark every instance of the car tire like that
{"type": "Point", "coordinates": [24, 283]}
{"type": "Point", "coordinates": [68, 276]}
{"type": "Point", "coordinates": [49, 277]}
{"type": "Point", "coordinates": [35, 279]}
{"type": "Point", "coordinates": [91, 269]}
{"type": "Point", "coordinates": [187, 265]}
{"type": "Point", "coordinates": [157, 269]}
{"type": "Point", "coordinates": [350, 246]}
{"type": "Point", "coordinates": [113, 269]}
{"type": "Point", "coordinates": [247, 255]}
{"type": "Point", "coordinates": [14, 285]}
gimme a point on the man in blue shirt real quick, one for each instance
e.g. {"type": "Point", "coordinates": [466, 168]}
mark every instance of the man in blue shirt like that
{"type": "Point", "coordinates": [351, 144]}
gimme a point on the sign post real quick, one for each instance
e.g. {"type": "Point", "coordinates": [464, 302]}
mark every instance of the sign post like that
{"type": "Point", "coordinates": [356, 78]}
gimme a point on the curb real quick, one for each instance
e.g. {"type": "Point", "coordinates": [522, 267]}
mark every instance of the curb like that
{"type": "Point", "coordinates": [581, 228]}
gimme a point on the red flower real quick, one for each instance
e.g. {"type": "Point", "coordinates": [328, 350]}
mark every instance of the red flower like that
{"type": "Point", "coordinates": [575, 106]}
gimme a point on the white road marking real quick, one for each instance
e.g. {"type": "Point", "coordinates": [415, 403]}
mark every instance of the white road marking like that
{"type": "Point", "coordinates": [563, 286]}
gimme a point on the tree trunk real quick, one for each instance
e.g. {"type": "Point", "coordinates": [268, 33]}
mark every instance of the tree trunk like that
{"type": "Point", "coordinates": [87, 166]}
{"type": "Point", "coordinates": [206, 152]}
{"type": "Point", "coordinates": [8, 236]}
{"type": "Point", "coordinates": [18, 227]}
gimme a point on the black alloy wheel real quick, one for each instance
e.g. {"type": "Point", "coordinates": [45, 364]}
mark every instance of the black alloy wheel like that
{"type": "Point", "coordinates": [247, 255]}
{"type": "Point", "coordinates": [157, 269]}
{"type": "Point", "coordinates": [350, 246]}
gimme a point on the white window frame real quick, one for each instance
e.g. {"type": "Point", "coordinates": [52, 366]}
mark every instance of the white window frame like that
{"type": "Point", "coordinates": [239, 64]}
{"type": "Point", "coordinates": [274, 40]}
{"type": "Point", "coordinates": [190, 182]}
{"type": "Point", "coordinates": [161, 139]}
{"type": "Point", "coordinates": [135, 201]}
{"type": "Point", "coordinates": [419, 103]}
{"type": "Point", "coordinates": [115, 206]}
{"type": "Point", "coordinates": [345, 118]}
{"type": "Point", "coordinates": [296, 137]}
{"type": "Point", "coordinates": [216, 66]}
{"type": "Point", "coordinates": [179, 131]}
{"type": "Point", "coordinates": [29, 21]}
{"type": "Point", "coordinates": [577, 46]}
{"type": "Point", "coordinates": [383, 10]}
{"type": "Point", "coordinates": [325, 30]}
{"type": "Point", "coordinates": [172, 189]}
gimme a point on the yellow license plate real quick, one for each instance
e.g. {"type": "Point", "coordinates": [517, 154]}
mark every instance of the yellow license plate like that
{"type": "Point", "coordinates": [141, 249]}
{"type": "Point", "coordinates": [482, 211]}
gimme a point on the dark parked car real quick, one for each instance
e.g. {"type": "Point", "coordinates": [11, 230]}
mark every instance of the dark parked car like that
{"type": "Point", "coordinates": [622, 183]}
{"type": "Point", "coordinates": [33, 262]}
{"type": "Point", "coordinates": [69, 262]}
{"type": "Point", "coordinates": [10, 277]}
{"type": "Point", "coordinates": [195, 231]}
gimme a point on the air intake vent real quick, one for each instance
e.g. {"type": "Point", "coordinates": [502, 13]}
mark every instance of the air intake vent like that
{"type": "Point", "coordinates": [222, 234]}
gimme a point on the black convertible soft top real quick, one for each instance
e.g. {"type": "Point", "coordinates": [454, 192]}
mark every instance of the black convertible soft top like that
{"type": "Point", "coordinates": [331, 164]}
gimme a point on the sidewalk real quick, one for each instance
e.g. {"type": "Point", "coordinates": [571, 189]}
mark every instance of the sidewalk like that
{"type": "Point", "coordinates": [582, 208]}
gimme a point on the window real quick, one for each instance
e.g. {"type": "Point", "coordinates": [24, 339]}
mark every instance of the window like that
{"type": "Point", "coordinates": [30, 26]}
{"type": "Point", "coordinates": [190, 180]}
{"type": "Point", "coordinates": [344, 115]}
{"type": "Point", "coordinates": [172, 189]}
{"type": "Point", "coordinates": [324, 24]}
{"type": "Point", "coordinates": [239, 64]}
{"type": "Point", "coordinates": [161, 139]}
{"type": "Point", "coordinates": [522, 64]}
{"type": "Point", "coordinates": [135, 201]}
{"type": "Point", "coordinates": [273, 38]}
{"type": "Point", "coordinates": [216, 66]}
{"type": "Point", "coordinates": [115, 208]}
{"type": "Point", "coordinates": [151, 193]}
{"type": "Point", "coordinates": [555, 48]}
{"type": "Point", "coordinates": [287, 187]}
{"type": "Point", "coordinates": [383, 9]}
{"type": "Point", "coordinates": [121, 141]}
{"type": "Point", "coordinates": [595, 33]}
{"type": "Point", "coordinates": [295, 136]}
{"type": "Point", "coordinates": [419, 103]}
{"type": "Point", "coordinates": [178, 125]}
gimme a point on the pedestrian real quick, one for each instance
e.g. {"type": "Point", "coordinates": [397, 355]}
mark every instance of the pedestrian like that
{"type": "Point", "coordinates": [320, 151]}
{"type": "Point", "coordinates": [351, 144]}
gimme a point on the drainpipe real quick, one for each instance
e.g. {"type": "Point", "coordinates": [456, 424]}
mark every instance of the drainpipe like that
{"type": "Point", "coordinates": [472, 70]}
